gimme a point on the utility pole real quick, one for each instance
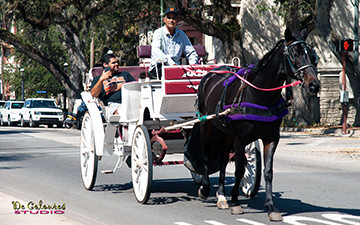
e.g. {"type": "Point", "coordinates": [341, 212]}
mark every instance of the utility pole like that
{"type": "Point", "coordinates": [1, 71]}
{"type": "Point", "coordinates": [356, 31]}
{"type": "Point", "coordinates": [92, 52]}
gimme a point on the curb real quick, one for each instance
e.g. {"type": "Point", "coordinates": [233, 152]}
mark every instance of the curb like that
{"type": "Point", "coordinates": [323, 131]}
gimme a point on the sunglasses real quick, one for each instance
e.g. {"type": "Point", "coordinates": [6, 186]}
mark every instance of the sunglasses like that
{"type": "Point", "coordinates": [173, 18]}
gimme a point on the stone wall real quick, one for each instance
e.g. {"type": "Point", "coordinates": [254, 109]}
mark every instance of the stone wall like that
{"type": "Point", "coordinates": [331, 110]}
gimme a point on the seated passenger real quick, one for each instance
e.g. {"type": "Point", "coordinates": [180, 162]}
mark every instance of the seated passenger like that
{"type": "Point", "coordinates": [169, 43]}
{"type": "Point", "coordinates": [108, 86]}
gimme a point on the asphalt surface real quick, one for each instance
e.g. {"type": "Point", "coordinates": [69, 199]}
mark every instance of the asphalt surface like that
{"type": "Point", "coordinates": [7, 213]}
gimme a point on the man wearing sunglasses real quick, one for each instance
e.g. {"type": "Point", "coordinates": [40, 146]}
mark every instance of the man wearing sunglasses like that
{"type": "Point", "coordinates": [169, 43]}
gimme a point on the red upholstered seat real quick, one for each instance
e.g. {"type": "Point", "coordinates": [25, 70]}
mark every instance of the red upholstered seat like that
{"type": "Point", "coordinates": [144, 51]}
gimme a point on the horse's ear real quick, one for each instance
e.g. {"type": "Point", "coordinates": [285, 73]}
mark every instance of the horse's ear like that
{"type": "Point", "coordinates": [288, 35]}
{"type": "Point", "coordinates": [304, 34]}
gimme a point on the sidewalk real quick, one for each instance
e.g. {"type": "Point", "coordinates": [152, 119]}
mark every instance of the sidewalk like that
{"type": "Point", "coordinates": [337, 131]}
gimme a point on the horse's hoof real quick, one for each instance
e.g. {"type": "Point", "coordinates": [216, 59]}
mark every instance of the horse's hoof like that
{"type": "Point", "coordinates": [236, 210]}
{"type": "Point", "coordinates": [275, 216]}
{"type": "Point", "coordinates": [201, 195]}
{"type": "Point", "coordinates": [222, 205]}
{"type": "Point", "coordinates": [222, 202]}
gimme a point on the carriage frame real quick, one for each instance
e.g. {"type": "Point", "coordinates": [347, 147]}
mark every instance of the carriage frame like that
{"type": "Point", "coordinates": [159, 110]}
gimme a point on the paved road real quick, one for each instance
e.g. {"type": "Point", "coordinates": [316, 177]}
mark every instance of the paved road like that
{"type": "Point", "coordinates": [316, 181]}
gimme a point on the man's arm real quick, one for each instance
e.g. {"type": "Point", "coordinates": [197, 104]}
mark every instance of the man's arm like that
{"type": "Point", "coordinates": [156, 51]}
{"type": "Point", "coordinates": [189, 51]}
{"type": "Point", "coordinates": [96, 89]}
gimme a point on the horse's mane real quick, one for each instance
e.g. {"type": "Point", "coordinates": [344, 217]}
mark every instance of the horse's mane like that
{"type": "Point", "coordinates": [263, 61]}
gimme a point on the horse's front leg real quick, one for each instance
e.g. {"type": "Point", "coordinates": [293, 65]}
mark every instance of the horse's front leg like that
{"type": "Point", "coordinates": [235, 207]}
{"type": "Point", "coordinates": [269, 151]}
{"type": "Point", "coordinates": [220, 194]}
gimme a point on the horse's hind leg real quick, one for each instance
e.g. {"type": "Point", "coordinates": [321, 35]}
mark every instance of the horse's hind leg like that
{"type": "Point", "coordinates": [269, 151]}
{"type": "Point", "coordinates": [204, 190]}
{"type": "Point", "coordinates": [235, 207]}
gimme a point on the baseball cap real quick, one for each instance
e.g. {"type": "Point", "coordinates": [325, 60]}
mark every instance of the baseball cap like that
{"type": "Point", "coordinates": [173, 10]}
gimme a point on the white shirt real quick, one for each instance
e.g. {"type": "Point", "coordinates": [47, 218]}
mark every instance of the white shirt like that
{"type": "Point", "coordinates": [169, 48]}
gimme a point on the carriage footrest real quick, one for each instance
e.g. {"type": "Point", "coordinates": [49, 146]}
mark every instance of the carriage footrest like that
{"type": "Point", "coordinates": [107, 171]}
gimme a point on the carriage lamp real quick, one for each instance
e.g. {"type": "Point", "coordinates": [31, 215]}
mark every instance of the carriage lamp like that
{"type": "Point", "coordinates": [346, 45]}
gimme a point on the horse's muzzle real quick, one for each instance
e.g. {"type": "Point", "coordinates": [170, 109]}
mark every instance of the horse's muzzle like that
{"type": "Point", "coordinates": [314, 87]}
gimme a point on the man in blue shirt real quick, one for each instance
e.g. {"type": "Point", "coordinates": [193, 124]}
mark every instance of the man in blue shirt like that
{"type": "Point", "coordinates": [108, 86]}
{"type": "Point", "coordinates": [169, 43]}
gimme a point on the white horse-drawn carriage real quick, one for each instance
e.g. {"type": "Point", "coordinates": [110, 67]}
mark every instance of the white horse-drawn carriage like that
{"type": "Point", "coordinates": [152, 111]}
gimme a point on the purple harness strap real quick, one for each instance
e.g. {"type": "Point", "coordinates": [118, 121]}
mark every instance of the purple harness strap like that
{"type": "Point", "coordinates": [241, 72]}
{"type": "Point", "coordinates": [256, 117]}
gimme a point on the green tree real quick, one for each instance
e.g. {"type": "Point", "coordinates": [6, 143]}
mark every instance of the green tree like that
{"type": "Point", "coordinates": [57, 31]}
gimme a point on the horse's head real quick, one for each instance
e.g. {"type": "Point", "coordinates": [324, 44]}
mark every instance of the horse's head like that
{"type": "Point", "coordinates": [301, 59]}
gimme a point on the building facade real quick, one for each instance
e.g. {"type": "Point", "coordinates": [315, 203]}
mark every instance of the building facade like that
{"type": "Point", "coordinates": [262, 29]}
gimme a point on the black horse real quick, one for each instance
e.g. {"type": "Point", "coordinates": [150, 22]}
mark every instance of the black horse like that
{"type": "Point", "coordinates": [256, 114]}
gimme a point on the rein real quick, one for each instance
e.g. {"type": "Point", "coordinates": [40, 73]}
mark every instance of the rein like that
{"type": "Point", "coordinates": [258, 88]}
{"type": "Point", "coordinates": [246, 81]}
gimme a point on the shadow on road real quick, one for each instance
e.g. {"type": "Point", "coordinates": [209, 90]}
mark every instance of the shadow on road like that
{"type": "Point", "coordinates": [293, 206]}
{"type": "Point", "coordinates": [180, 190]}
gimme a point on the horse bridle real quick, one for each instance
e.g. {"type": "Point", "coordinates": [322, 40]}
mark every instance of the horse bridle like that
{"type": "Point", "coordinates": [290, 57]}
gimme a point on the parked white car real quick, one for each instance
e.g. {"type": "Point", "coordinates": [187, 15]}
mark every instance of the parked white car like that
{"type": "Point", "coordinates": [41, 111]}
{"type": "Point", "coordinates": [10, 114]}
{"type": "Point", "coordinates": [2, 105]}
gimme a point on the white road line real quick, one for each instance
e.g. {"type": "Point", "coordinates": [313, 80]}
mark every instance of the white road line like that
{"type": "Point", "coordinates": [250, 222]}
{"type": "Point", "coordinates": [182, 223]}
{"type": "Point", "coordinates": [342, 218]}
{"type": "Point", "coordinates": [314, 143]}
{"type": "Point", "coordinates": [212, 222]}
{"type": "Point", "coordinates": [294, 220]}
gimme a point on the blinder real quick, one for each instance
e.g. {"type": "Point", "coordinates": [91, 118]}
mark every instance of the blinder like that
{"type": "Point", "coordinates": [290, 57]}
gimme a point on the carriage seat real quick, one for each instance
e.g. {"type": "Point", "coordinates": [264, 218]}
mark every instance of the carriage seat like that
{"type": "Point", "coordinates": [144, 51]}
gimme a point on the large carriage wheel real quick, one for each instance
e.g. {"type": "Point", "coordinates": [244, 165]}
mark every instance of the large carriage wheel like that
{"type": "Point", "coordinates": [141, 164]}
{"type": "Point", "coordinates": [250, 183]}
{"type": "Point", "coordinates": [88, 157]}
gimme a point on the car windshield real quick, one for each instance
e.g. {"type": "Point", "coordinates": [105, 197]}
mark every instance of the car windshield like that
{"type": "Point", "coordinates": [43, 104]}
{"type": "Point", "coordinates": [17, 105]}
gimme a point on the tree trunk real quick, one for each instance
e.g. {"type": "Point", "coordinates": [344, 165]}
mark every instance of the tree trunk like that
{"type": "Point", "coordinates": [302, 111]}
{"type": "Point", "coordinates": [78, 65]}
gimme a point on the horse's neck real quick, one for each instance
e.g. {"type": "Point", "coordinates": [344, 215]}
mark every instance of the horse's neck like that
{"type": "Point", "coordinates": [271, 75]}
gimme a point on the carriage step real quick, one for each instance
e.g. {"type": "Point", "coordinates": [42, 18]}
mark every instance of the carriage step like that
{"type": "Point", "coordinates": [107, 171]}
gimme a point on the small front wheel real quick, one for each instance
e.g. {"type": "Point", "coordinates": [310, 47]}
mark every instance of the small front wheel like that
{"type": "Point", "coordinates": [250, 182]}
{"type": "Point", "coordinates": [88, 157]}
{"type": "Point", "coordinates": [141, 164]}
